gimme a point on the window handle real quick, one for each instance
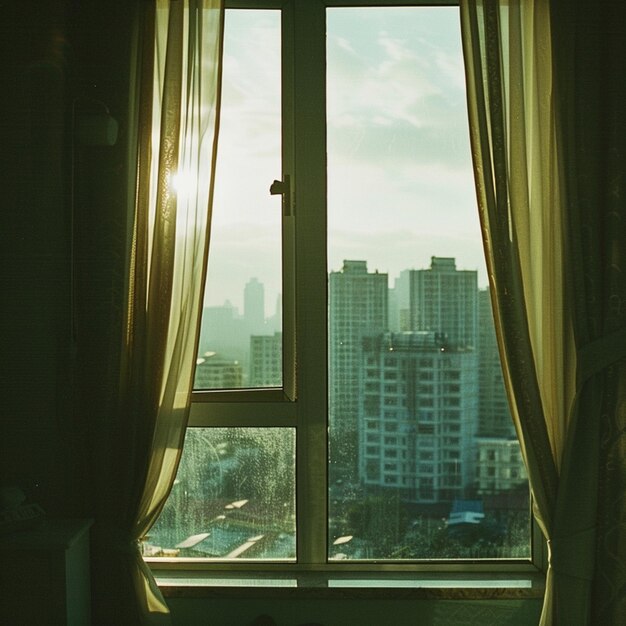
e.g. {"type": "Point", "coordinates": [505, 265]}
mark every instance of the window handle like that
{"type": "Point", "coordinates": [283, 188]}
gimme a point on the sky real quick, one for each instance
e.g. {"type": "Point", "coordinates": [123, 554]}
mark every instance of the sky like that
{"type": "Point", "coordinates": [400, 183]}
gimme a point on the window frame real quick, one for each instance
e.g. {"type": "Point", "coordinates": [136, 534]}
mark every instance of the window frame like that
{"type": "Point", "coordinates": [302, 402]}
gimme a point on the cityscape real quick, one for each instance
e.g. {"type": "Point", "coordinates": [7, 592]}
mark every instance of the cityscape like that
{"type": "Point", "coordinates": [423, 458]}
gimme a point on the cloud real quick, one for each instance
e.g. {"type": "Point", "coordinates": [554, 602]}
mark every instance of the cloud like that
{"type": "Point", "coordinates": [344, 44]}
{"type": "Point", "coordinates": [400, 97]}
{"type": "Point", "coordinates": [385, 90]}
{"type": "Point", "coordinates": [251, 104]}
{"type": "Point", "coordinates": [451, 66]}
{"type": "Point", "coordinates": [393, 144]}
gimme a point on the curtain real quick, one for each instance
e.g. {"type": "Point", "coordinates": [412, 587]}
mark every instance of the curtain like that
{"type": "Point", "coordinates": [553, 231]}
{"type": "Point", "coordinates": [590, 66]}
{"type": "Point", "coordinates": [508, 60]}
{"type": "Point", "coordinates": [179, 83]}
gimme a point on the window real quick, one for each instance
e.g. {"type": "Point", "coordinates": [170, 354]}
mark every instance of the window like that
{"type": "Point", "coordinates": [240, 344]}
{"type": "Point", "coordinates": [343, 308]}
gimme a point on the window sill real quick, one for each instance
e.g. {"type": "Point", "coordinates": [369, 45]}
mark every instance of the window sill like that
{"type": "Point", "coordinates": [449, 586]}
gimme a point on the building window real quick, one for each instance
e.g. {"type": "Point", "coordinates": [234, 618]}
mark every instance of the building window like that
{"type": "Point", "coordinates": [353, 275]}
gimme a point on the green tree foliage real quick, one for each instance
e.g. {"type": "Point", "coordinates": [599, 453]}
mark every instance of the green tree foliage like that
{"type": "Point", "coordinates": [379, 520]}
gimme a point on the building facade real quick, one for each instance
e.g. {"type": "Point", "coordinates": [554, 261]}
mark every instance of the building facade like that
{"type": "Point", "coordinates": [357, 308]}
{"type": "Point", "coordinates": [441, 299]}
{"type": "Point", "coordinates": [417, 416]}
{"type": "Point", "coordinates": [266, 360]}
{"type": "Point", "coordinates": [499, 465]}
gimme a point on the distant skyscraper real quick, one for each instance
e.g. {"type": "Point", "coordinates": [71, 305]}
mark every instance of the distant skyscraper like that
{"type": "Point", "coordinates": [441, 299]}
{"type": "Point", "coordinates": [266, 360]}
{"type": "Point", "coordinates": [357, 308]}
{"type": "Point", "coordinates": [417, 416]}
{"type": "Point", "coordinates": [254, 305]}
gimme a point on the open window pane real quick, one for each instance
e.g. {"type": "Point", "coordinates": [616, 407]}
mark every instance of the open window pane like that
{"type": "Point", "coordinates": [424, 462]}
{"type": "Point", "coordinates": [241, 334]}
{"type": "Point", "coordinates": [233, 498]}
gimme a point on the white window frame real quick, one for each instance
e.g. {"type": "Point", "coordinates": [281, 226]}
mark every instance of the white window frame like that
{"type": "Point", "coordinates": [302, 402]}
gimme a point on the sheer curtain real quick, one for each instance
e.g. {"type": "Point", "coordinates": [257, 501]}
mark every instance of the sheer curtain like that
{"type": "Point", "coordinates": [178, 115]}
{"type": "Point", "coordinates": [508, 59]}
{"type": "Point", "coordinates": [553, 233]}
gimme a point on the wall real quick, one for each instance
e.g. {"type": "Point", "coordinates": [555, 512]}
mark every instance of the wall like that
{"type": "Point", "coordinates": [35, 253]}
{"type": "Point", "coordinates": [60, 300]}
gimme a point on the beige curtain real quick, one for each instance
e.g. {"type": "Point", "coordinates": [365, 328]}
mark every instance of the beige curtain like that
{"type": "Point", "coordinates": [508, 59]}
{"type": "Point", "coordinates": [178, 105]}
{"type": "Point", "coordinates": [549, 147]}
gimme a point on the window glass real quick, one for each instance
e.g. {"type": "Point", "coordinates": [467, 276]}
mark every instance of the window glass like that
{"type": "Point", "coordinates": [406, 271]}
{"type": "Point", "coordinates": [423, 459]}
{"type": "Point", "coordinates": [233, 497]}
{"type": "Point", "coordinates": [241, 333]}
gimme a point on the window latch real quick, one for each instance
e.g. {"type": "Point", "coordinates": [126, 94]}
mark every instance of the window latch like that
{"type": "Point", "coordinates": [283, 188]}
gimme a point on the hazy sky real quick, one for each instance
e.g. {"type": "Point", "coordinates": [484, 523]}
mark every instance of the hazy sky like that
{"type": "Point", "coordinates": [400, 186]}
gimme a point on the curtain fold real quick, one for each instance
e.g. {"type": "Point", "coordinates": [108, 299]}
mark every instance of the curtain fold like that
{"type": "Point", "coordinates": [180, 54]}
{"type": "Point", "coordinates": [507, 50]}
{"type": "Point", "coordinates": [513, 199]}
{"type": "Point", "coordinates": [549, 148]}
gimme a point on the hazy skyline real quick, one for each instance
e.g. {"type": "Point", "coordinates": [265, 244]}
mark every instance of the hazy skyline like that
{"type": "Point", "coordinates": [400, 183]}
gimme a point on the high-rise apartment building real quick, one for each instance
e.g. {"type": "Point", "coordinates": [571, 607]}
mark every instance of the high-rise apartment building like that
{"type": "Point", "coordinates": [441, 299]}
{"type": "Point", "coordinates": [357, 308]}
{"type": "Point", "coordinates": [417, 416]}
{"type": "Point", "coordinates": [416, 402]}
{"type": "Point", "coordinates": [266, 360]}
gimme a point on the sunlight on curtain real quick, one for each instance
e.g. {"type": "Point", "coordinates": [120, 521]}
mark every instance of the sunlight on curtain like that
{"type": "Point", "coordinates": [507, 49]}
{"type": "Point", "coordinates": [178, 121]}
{"type": "Point", "coordinates": [545, 98]}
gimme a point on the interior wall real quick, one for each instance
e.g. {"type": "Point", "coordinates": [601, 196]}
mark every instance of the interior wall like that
{"type": "Point", "coordinates": [35, 252]}
{"type": "Point", "coordinates": [63, 210]}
